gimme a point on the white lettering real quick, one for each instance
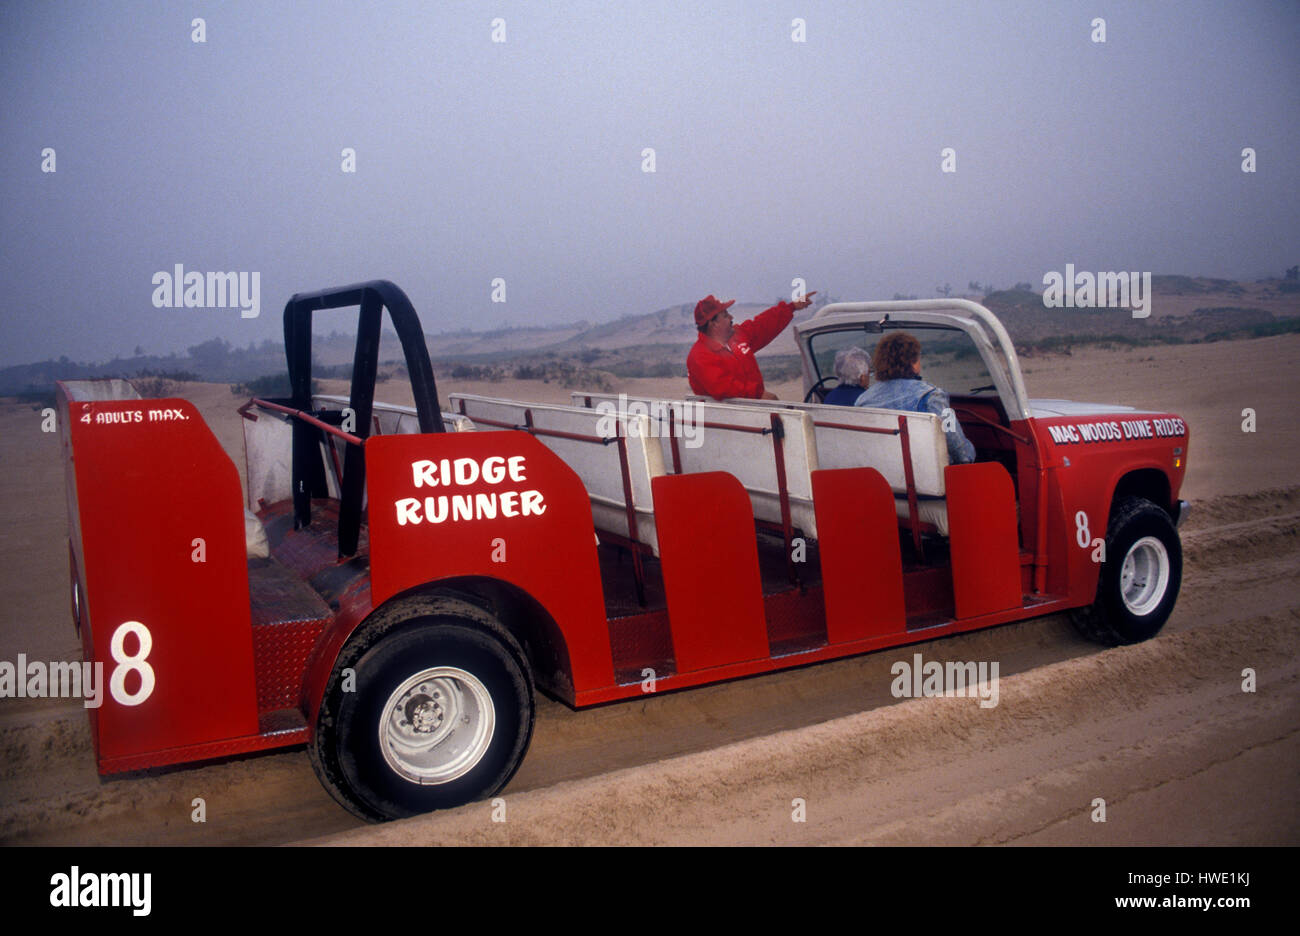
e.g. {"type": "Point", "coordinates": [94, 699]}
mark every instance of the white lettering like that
{"type": "Point", "coordinates": [75, 889]}
{"type": "Point", "coordinates": [494, 469]}
{"type": "Point", "coordinates": [508, 499]}
{"type": "Point", "coordinates": [466, 471]}
{"type": "Point", "coordinates": [408, 510]}
{"type": "Point", "coordinates": [423, 473]}
{"type": "Point", "coordinates": [531, 502]}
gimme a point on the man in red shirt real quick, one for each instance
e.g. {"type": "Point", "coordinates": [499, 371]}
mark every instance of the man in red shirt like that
{"type": "Point", "coordinates": [721, 364]}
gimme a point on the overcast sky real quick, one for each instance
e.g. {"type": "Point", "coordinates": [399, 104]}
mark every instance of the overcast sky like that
{"type": "Point", "coordinates": [523, 159]}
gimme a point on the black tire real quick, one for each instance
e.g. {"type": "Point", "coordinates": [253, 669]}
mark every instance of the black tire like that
{"type": "Point", "coordinates": [1141, 531]}
{"type": "Point", "coordinates": [441, 715]}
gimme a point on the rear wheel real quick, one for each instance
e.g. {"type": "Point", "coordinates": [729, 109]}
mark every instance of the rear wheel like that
{"type": "Point", "coordinates": [1140, 578]}
{"type": "Point", "coordinates": [439, 714]}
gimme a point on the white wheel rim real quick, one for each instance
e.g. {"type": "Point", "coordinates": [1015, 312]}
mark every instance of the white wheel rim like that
{"type": "Point", "coordinates": [1144, 577]}
{"type": "Point", "coordinates": [437, 725]}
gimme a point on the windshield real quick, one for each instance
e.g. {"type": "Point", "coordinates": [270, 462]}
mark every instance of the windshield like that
{"type": "Point", "coordinates": [949, 359]}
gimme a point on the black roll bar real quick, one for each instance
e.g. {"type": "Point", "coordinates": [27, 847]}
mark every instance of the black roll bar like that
{"type": "Point", "coordinates": [372, 297]}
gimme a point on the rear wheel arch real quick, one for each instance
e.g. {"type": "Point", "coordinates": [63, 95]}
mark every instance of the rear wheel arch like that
{"type": "Point", "coordinates": [401, 609]}
{"type": "Point", "coordinates": [529, 623]}
{"type": "Point", "coordinates": [543, 647]}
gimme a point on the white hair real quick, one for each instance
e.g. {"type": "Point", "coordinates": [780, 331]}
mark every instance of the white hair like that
{"type": "Point", "coordinates": [852, 364]}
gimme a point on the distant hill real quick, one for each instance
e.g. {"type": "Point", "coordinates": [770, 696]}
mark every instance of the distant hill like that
{"type": "Point", "coordinates": [1184, 308]}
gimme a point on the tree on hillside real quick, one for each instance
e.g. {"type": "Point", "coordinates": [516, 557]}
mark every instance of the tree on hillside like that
{"type": "Point", "coordinates": [211, 355]}
{"type": "Point", "coordinates": [1293, 273]}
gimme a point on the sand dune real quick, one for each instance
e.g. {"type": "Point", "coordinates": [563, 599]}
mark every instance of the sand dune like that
{"type": "Point", "coordinates": [1162, 730]}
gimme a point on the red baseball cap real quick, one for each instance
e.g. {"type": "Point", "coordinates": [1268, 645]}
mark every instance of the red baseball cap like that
{"type": "Point", "coordinates": [708, 307]}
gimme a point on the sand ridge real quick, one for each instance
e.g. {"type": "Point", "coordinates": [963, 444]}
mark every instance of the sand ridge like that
{"type": "Point", "coordinates": [1075, 722]}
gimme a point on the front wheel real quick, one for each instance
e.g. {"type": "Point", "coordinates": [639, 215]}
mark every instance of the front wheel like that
{"type": "Point", "coordinates": [1140, 578]}
{"type": "Point", "coordinates": [441, 715]}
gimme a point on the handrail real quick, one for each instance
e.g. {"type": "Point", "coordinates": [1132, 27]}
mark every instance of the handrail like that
{"type": "Point", "coordinates": [629, 508]}
{"type": "Point", "coordinates": [308, 418]}
{"type": "Point", "coordinates": [756, 430]}
{"type": "Point", "coordinates": [557, 433]}
{"type": "Point", "coordinates": [909, 479]}
{"type": "Point", "coordinates": [783, 487]}
{"type": "Point", "coordinates": [913, 512]}
{"type": "Point", "coordinates": [876, 429]}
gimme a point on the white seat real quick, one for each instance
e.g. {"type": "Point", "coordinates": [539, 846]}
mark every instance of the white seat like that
{"type": "Point", "coordinates": [840, 447]}
{"type": "Point", "coordinates": [738, 440]}
{"type": "Point", "coordinates": [598, 464]}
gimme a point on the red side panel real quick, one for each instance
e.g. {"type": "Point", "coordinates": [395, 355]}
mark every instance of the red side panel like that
{"type": "Point", "coordinates": [151, 479]}
{"type": "Point", "coordinates": [983, 539]}
{"type": "Point", "coordinates": [862, 566]}
{"type": "Point", "coordinates": [710, 565]}
{"type": "Point", "coordinates": [531, 526]}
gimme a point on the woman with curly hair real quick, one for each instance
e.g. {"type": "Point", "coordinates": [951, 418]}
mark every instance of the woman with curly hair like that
{"type": "Point", "coordinates": [899, 386]}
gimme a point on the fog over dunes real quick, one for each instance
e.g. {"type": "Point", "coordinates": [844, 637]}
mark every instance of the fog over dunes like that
{"type": "Point", "coordinates": [475, 155]}
{"type": "Point", "coordinates": [1183, 310]}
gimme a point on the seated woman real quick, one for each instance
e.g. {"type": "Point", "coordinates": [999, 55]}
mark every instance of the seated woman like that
{"type": "Point", "coordinates": [853, 368]}
{"type": "Point", "coordinates": [899, 386]}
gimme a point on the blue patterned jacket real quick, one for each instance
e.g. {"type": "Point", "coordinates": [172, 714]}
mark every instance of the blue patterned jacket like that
{"type": "Point", "coordinates": [917, 396]}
